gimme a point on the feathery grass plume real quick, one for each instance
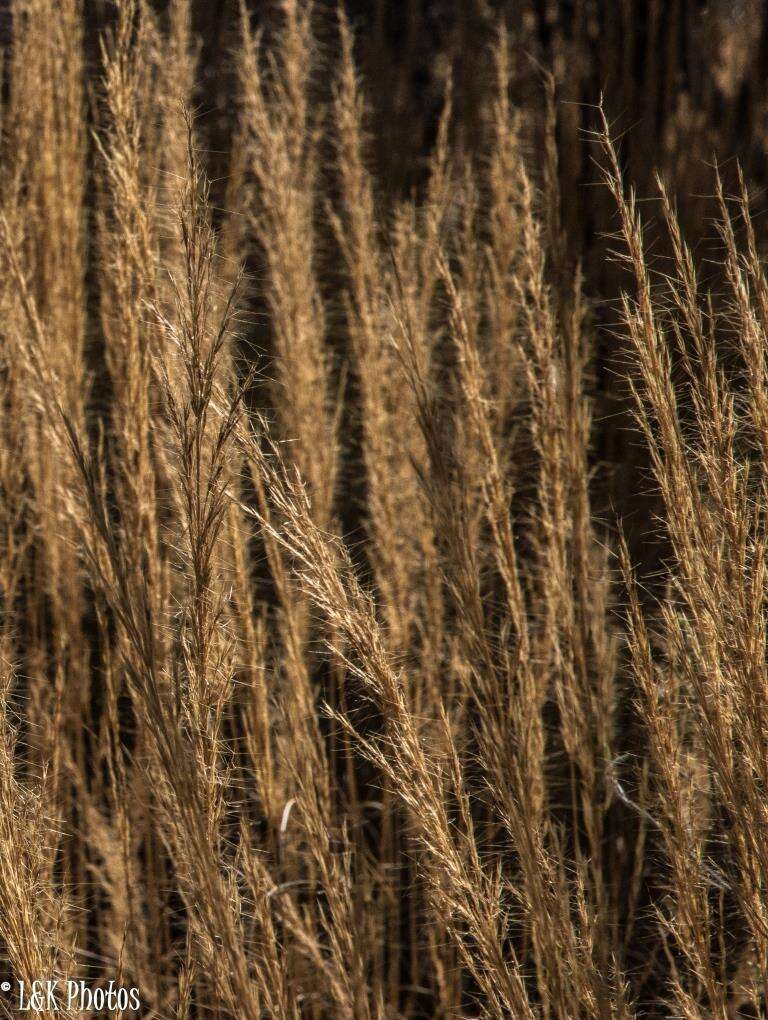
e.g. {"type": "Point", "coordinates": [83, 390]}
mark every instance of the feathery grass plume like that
{"type": "Point", "coordinates": [401, 545]}
{"type": "Point", "coordinates": [321, 854]}
{"type": "Point", "coordinates": [281, 137]}
{"type": "Point", "coordinates": [177, 70]}
{"type": "Point", "coordinates": [43, 157]}
{"type": "Point", "coordinates": [504, 239]}
{"type": "Point", "coordinates": [682, 813]}
{"type": "Point", "coordinates": [397, 522]}
{"type": "Point", "coordinates": [131, 466]}
{"type": "Point", "coordinates": [713, 493]}
{"type": "Point", "coordinates": [32, 924]}
{"type": "Point", "coordinates": [471, 898]}
{"type": "Point", "coordinates": [576, 636]}
{"type": "Point", "coordinates": [510, 696]}
{"type": "Point", "coordinates": [181, 691]}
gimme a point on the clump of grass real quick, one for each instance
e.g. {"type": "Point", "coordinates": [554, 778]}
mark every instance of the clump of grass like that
{"type": "Point", "coordinates": [327, 689]}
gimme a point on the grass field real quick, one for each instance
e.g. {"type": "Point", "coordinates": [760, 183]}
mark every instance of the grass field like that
{"type": "Point", "coordinates": [384, 511]}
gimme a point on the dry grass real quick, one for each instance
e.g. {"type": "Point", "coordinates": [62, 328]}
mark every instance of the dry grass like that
{"type": "Point", "coordinates": [326, 690]}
